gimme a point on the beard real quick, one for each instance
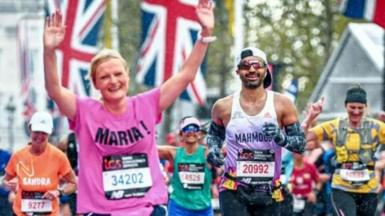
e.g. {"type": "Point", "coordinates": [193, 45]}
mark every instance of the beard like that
{"type": "Point", "coordinates": [251, 84]}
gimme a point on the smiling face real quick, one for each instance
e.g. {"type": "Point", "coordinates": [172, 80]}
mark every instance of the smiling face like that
{"type": "Point", "coordinates": [38, 138]}
{"type": "Point", "coordinates": [355, 112]}
{"type": "Point", "coordinates": [111, 79]}
{"type": "Point", "coordinates": [190, 134]}
{"type": "Point", "coordinates": [252, 71]}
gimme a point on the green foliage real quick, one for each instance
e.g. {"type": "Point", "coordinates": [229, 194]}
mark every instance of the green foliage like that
{"type": "Point", "coordinates": [299, 35]}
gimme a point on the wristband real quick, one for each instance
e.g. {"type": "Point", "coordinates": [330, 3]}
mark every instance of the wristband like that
{"type": "Point", "coordinates": [207, 39]}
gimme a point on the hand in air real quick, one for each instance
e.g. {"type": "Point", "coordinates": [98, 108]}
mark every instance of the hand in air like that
{"type": "Point", "coordinates": [316, 108]}
{"type": "Point", "coordinates": [205, 13]}
{"type": "Point", "coordinates": [54, 31]}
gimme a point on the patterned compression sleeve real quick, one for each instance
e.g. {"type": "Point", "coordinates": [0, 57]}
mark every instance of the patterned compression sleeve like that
{"type": "Point", "coordinates": [216, 135]}
{"type": "Point", "coordinates": [295, 140]}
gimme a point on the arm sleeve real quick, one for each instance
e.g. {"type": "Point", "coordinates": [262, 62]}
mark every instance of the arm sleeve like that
{"type": "Point", "coordinates": [216, 135]}
{"type": "Point", "coordinates": [295, 138]}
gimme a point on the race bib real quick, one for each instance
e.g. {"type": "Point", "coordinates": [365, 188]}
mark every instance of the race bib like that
{"type": "Point", "coordinates": [126, 176]}
{"type": "Point", "coordinates": [255, 169]}
{"type": "Point", "coordinates": [255, 165]}
{"type": "Point", "coordinates": [33, 202]}
{"type": "Point", "coordinates": [298, 204]}
{"type": "Point", "coordinates": [355, 175]}
{"type": "Point", "coordinates": [192, 175]}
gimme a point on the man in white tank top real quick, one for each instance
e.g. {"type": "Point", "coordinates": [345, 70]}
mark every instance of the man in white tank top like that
{"type": "Point", "coordinates": [255, 124]}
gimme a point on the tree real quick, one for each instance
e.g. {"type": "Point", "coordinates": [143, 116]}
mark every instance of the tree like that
{"type": "Point", "coordinates": [297, 34]}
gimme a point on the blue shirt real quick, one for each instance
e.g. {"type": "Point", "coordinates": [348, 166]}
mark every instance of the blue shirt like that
{"type": "Point", "coordinates": [4, 158]}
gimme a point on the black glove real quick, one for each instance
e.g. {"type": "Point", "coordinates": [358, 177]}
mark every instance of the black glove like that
{"type": "Point", "coordinates": [272, 130]}
{"type": "Point", "coordinates": [215, 157]}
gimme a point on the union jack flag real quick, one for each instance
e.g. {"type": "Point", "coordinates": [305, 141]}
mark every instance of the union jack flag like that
{"type": "Point", "coordinates": [169, 31]}
{"type": "Point", "coordinates": [83, 20]}
{"type": "Point", "coordinates": [372, 10]}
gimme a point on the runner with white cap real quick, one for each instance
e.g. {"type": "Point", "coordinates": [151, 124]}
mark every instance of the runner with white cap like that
{"type": "Point", "coordinates": [39, 168]}
{"type": "Point", "coordinates": [192, 177]}
{"type": "Point", "coordinates": [255, 123]}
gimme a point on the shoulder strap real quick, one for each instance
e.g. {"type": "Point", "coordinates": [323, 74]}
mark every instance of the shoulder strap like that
{"type": "Point", "coordinates": [342, 132]}
{"type": "Point", "coordinates": [365, 132]}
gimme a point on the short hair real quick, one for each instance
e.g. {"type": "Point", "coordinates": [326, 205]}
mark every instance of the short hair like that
{"type": "Point", "coordinates": [102, 56]}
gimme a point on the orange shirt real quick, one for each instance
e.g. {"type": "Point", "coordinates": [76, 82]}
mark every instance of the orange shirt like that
{"type": "Point", "coordinates": [37, 173]}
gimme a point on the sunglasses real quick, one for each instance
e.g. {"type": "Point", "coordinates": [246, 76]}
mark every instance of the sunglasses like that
{"type": "Point", "coordinates": [190, 128]}
{"type": "Point", "coordinates": [247, 65]}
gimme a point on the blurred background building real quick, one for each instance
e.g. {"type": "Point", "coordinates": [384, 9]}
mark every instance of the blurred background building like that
{"type": "Point", "coordinates": [20, 51]}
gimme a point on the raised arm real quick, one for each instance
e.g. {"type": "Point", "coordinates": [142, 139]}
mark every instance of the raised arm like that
{"type": "Point", "coordinates": [174, 86]}
{"type": "Point", "coordinates": [312, 113]}
{"type": "Point", "coordinates": [54, 31]}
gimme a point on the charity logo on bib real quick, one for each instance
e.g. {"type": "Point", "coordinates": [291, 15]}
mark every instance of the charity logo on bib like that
{"type": "Point", "coordinates": [192, 175]}
{"type": "Point", "coordinates": [254, 166]}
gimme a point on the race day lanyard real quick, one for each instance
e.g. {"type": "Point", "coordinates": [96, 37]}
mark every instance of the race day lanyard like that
{"type": "Point", "coordinates": [355, 175]}
{"type": "Point", "coordinates": [255, 165]}
{"type": "Point", "coordinates": [126, 176]}
{"type": "Point", "coordinates": [33, 202]}
{"type": "Point", "coordinates": [192, 175]}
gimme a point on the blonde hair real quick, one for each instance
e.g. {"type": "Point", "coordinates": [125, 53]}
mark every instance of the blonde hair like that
{"type": "Point", "coordinates": [102, 56]}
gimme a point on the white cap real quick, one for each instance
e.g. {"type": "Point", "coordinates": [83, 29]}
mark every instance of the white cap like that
{"type": "Point", "coordinates": [189, 121]}
{"type": "Point", "coordinates": [42, 122]}
{"type": "Point", "coordinates": [253, 51]}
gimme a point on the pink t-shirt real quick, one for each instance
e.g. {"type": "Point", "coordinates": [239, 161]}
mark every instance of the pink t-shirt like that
{"type": "Point", "coordinates": [119, 172]}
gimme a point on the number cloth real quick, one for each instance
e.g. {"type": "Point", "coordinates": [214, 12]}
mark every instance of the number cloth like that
{"type": "Point", "coordinates": [191, 180]}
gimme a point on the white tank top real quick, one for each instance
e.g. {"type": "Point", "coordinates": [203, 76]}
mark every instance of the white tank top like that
{"type": "Point", "coordinates": [245, 132]}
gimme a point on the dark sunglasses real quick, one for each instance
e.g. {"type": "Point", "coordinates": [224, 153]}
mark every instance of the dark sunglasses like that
{"type": "Point", "coordinates": [247, 65]}
{"type": "Point", "coordinates": [191, 128]}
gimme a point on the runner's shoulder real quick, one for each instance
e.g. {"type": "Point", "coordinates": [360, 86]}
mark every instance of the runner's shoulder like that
{"type": "Point", "coordinates": [223, 103]}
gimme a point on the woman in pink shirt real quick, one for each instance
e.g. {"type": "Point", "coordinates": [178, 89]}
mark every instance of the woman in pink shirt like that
{"type": "Point", "coordinates": [119, 171]}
